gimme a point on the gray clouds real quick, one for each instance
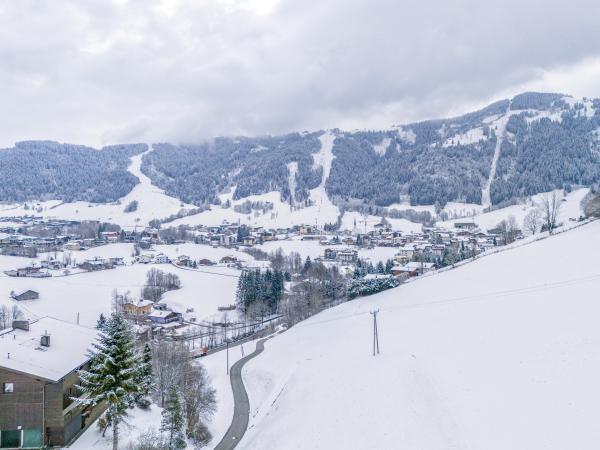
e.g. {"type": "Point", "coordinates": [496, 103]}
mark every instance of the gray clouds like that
{"type": "Point", "coordinates": [98, 72]}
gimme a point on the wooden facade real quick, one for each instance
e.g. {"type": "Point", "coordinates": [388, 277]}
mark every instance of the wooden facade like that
{"type": "Point", "coordinates": [40, 412]}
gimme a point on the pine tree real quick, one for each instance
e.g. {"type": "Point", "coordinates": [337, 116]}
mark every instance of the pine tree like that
{"type": "Point", "coordinates": [172, 421]}
{"type": "Point", "coordinates": [144, 376]}
{"type": "Point", "coordinates": [101, 322]}
{"type": "Point", "coordinates": [111, 377]}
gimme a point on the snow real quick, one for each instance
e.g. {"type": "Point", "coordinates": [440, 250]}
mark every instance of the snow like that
{"type": "Point", "coordinates": [570, 209]}
{"type": "Point", "coordinates": [283, 215]}
{"type": "Point", "coordinates": [216, 367]}
{"type": "Point", "coordinates": [90, 293]}
{"type": "Point", "coordinates": [499, 353]}
{"type": "Point", "coordinates": [382, 147]}
{"type": "Point", "coordinates": [293, 170]}
{"type": "Point", "coordinates": [313, 249]}
{"type": "Point", "coordinates": [407, 135]}
{"type": "Point", "coordinates": [350, 217]}
{"type": "Point", "coordinates": [500, 130]}
{"type": "Point", "coordinates": [21, 351]}
{"type": "Point", "coordinates": [554, 116]}
{"type": "Point", "coordinates": [153, 203]}
{"type": "Point", "coordinates": [138, 422]}
{"type": "Point", "coordinates": [471, 136]}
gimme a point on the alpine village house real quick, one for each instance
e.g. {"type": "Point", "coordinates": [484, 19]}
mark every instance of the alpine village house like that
{"type": "Point", "coordinates": [38, 373]}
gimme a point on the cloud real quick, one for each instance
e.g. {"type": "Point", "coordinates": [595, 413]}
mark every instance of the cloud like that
{"type": "Point", "coordinates": [99, 72]}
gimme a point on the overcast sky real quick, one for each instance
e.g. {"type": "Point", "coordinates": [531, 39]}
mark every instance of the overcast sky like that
{"type": "Point", "coordinates": [96, 72]}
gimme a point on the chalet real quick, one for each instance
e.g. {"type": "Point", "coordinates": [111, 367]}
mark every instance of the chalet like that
{"type": "Point", "coordinates": [307, 229]}
{"type": "Point", "coordinates": [347, 256]}
{"type": "Point", "coordinates": [205, 262]}
{"type": "Point", "coordinates": [116, 260]}
{"type": "Point", "coordinates": [330, 254]}
{"type": "Point", "coordinates": [249, 240]}
{"type": "Point", "coordinates": [38, 374]}
{"type": "Point", "coordinates": [228, 260]}
{"type": "Point", "coordinates": [95, 264]}
{"type": "Point", "coordinates": [52, 264]}
{"type": "Point", "coordinates": [469, 226]}
{"type": "Point", "coordinates": [183, 260]}
{"type": "Point", "coordinates": [23, 272]}
{"type": "Point", "coordinates": [72, 246]}
{"type": "Point", "coordinates": [164, 317]}
{"type": "Point", "coordinates": [407, 251]}
{"type": "Point", "coordinates": [144, 259]}
{"type": "Point", "coordinates": [268, 236]}
{"type": "Point", "coordinates": [312, 237]}
{"type": "Point", "coordinates": [145, 244]}
{"type": "Point", "coordinates": [403, 271]}
{"type": "Point", "coordinates": [161, 258]}
{"type": "Point", "coordinates": [25, 295]}
{"type": "Point", "coordinates": [138, 308]}
{"type": "Point", "coordinates": [420, 267]}
{"type": "Point", "coordinates": [110, 236]}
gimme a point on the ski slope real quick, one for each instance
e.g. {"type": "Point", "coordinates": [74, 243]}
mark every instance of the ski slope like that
{"type": "Point", "coordinates": [502, 353]}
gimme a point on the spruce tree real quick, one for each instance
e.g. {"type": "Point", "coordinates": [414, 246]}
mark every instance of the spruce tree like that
{"type": "Point", "coordinates": [101, 322]}
{"type": "Point", "coordinates": [111, 377]}
{"type": "Point", "coordinates": [144, 376]}
{"type": "Point", "coordinates": [172, 421]}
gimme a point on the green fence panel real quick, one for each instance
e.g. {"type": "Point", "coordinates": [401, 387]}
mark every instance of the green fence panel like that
{"type": "Point", "coordinates": [32, 438]}
{"type": "Point", "coordinates": [10, 438]}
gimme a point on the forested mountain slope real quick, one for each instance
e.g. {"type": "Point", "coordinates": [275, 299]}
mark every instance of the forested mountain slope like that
{"type": "Point", "coordinates": [511, 149]}
{"type": "Point", "coordinates": [44, 170]}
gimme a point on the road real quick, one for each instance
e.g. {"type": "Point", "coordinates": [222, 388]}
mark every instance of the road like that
{"type": "Point", "coordinates": [241, 410]}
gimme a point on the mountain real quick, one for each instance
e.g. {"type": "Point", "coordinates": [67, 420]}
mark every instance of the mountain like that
{"type": "Point", "coordinates": [44, 170]}
{"type": "Point", "coordinates": [532, 143]}
{"type": "Point", "coordinates": [513, 148]}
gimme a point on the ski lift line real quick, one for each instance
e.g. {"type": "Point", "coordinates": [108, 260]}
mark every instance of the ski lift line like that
{"type": "Point", "coordinates": [470, 298]}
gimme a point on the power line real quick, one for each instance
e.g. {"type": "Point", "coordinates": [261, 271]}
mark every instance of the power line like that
{"type": "Point", "coordinates": [469, 298]}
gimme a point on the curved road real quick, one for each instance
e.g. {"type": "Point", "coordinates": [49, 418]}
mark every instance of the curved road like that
{"type": "Point", "coordinates": [241, 410]}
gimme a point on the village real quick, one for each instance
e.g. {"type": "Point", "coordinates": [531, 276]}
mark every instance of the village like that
{"type": "Point", "coordinates": [53, 247]}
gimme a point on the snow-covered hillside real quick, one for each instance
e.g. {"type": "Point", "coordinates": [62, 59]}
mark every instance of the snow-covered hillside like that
{"type": "Point", "coordinates": [570, 209]}
{"type": "Point", "coordinates": [153, 203]}
{"type": "Point", "coordinates": [502, 353]}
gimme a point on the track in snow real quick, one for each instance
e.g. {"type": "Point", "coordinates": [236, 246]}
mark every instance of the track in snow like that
{"type": "Point", "coordinates": [486, 198]}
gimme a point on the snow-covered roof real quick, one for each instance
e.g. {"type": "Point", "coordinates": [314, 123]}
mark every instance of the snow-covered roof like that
{"type": "Point", "coordinates": [68, 348]}
{"type": "Point", "coordinates": [141, 303]}
{"type": "Point", "coordinates": [160, 313]}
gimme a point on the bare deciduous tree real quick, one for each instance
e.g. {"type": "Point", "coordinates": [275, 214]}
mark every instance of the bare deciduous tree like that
{"type": "Point", "coordinates": [550, 207]}
{"type": "Point", "coordinates": [533, 221]}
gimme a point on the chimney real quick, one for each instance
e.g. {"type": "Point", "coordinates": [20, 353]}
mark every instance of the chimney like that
{"type": "Point", "coordinates": [45, 340]}
{"type": "Point", "coordinates": [20, 325]}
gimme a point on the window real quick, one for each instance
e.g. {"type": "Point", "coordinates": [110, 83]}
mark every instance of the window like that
{"type": "Point", "coordinates": [9, 388]}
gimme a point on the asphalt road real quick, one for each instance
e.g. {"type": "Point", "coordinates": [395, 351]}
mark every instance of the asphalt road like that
{"type": "Point", "coordinates": [241, 410]}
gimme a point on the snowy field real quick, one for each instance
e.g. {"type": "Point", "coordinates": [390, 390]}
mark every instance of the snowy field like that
{"type": "Point", "coordinates": [502, 353]}
{"type": "Point", "coordinates": [571, 208]}
{"type": "Point", "coordinates": [314, 249]}
{"type": "Point", "coordinates": [89, 294]}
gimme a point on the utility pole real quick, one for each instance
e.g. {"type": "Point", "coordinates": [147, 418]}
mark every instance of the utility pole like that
{"type": "Point", "coordinates": [375, 333]}
{"type": "Point", "coordinates": [227, 345]}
